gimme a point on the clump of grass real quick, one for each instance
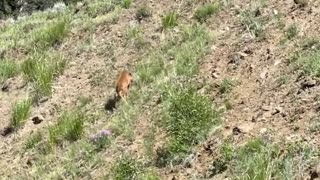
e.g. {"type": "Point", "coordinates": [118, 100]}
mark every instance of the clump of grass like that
{"type": "Point", "coordinates": [125, 168]}
{"type": "Point", "coordinates": [122, 124]}
{"type": "Point", "coordinates": [169, 20]}
{"type": "Point", "coordinates": [149, 142]}
{"type": "Point", "coordinates": [70, 127]}
{"type": "Point", "coordinates": [190, 117]}
{"type": "Point", "coordinates": [205, 11]}
{"type": "Point", "coordinates": [135, 34]}
{"type": "Point", "coordinates": [195, 39]}
{"type": "Point", "coordinates": [225, 86]}
{"type": "Point", "coordinates": [314, 126]}
{"type": "Point", "coordinates": [99, 8]}
{"type": "Point", "coordinates": [20, 112]}
{"type": "Point", "coordinates": [309, 62]}
{"type": "Point", "coordinates": [126, 3]}
{"type": "Point", "coordinates": [253, 22]}
{"type": "Point", "coordinates": [291, 31]}
{"type": "Point", "coordinates": [33, 140]}
{"type": "Point", "coordinates": [283, 79]}
{"type": "Point", "coordinates": [40, 69]}
{"type": "Point", "coordinates": [143, 12]}
{"type": "Point", "coordinates": [51, 34]}
{"type": "Point", "coordinates": [149, 70]}
{"type": "Point", "coordinates": [102, 142]}
{"type": "Point", "coordinates": [311, 43]}
{"type": "Point", "coordinates": [150, 175]}
{"type": "Point", "coordinates": [8, 69]}
{"type": "Point", "coordinates": [262, 160]}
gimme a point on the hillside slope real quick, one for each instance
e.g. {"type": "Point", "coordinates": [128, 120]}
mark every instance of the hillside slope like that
{"type": "Point", "coordinates": [222, 90]}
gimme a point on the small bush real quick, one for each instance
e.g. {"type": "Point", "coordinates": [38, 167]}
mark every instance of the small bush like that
{"type": "Point", "coordinates": [40, 69]}
{"type": "Point", "coordinates": [187, 56]}
{"type": "Point", "coordinates": [100, 8]}
{"type": "Point", "coordinates": [33, 140]}
{"type": "Point", "coordinates": [134, 34]}
{"type": "Point", "coordinates": [51, 34]}
{"type": "Point", "coordinates": [20, 113]}
{"type": "Point", "coordinates": [169, 20]}
{"type": "Point", "coordinates": [69, 127]}
{"type": "Point", "coordinates": [309, 62]}
{"type": "Point", "coordinates": [149, 71]}
{"type": "Point", "coordinates": [102, 142]}
{"type": "Point", "coordinates": [143, 12]}
{"type": "Point", "coordinates": [261, 160]}
{"type": "Point", "coordinates": [126, 3]}
{"type": "Point", "coordinates": [254, 24]}
{"type": "Point", "coordinates": [205, 11]}
{"type": "Point", "coordinates": [291, 31]}
{"type": "Point", "coordinates": [190, 117]}
{"type": "Point", "coordinates": [8, 69]}
{"type": "Point", "coordinates": [225, 86]}
{"type": "Point", "coordinates": [125, 168]}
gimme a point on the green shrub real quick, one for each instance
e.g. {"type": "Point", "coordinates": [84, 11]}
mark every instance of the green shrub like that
{"type": "Point", "coordinates": [125, 168]}
{"type": "Point", "coordinates": [190, 117]}
{"type": "Point", "coordinates": [169, 20]}
{"type": "Point", "coordinates": [126, 3]}
{"type": "Point", "coordinates": [205, 11]}
{"type": "Point", "coordinates": [70, 127]}
{"type": "Point", "coordinates": [20, 113]}
{"type": "Point", "coordinates": [8, 69]}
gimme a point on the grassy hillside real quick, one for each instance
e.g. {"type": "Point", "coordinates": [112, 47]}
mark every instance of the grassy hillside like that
{"type": "Point", "coordinates": [222, 90]}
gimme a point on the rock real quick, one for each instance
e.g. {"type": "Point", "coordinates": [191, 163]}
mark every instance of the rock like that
{"type": "Point", "coordinates": [301, 3]}
{"type": "Point", "coordinates": [5, 87]}
{"type": "Point", "coordinates": [266, 108]}
{"type": "Point", "coordinates": [275, 12]}
{"type": "Point", "coordinates": [308, 83]}
{"type": "Point", "coordinates": [263, 130]}
{"type": "Point", "coordinates": [43, 99]}
{"type": "Point", "coordinates": [276, 111]}
{"type": "Point", "coordinates": [37, 119]}
{"type": "Point", "coordinates": [6, 131]}
{"type": "Point", "coordinates": [236, 131]}
{"type": "Point", "coordinates": [277, 62]}
{"type": "Point", "coordinates": [187, 162]}
{"type": "Point", "coordinates": [264, 74]}
{"type": "Point", "coordinates": [314, 172]}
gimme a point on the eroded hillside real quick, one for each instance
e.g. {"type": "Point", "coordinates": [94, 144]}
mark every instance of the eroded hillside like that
{"type": "Point", "coordinates": [222, 90]}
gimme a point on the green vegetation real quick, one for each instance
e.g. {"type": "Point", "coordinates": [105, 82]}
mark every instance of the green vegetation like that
{"type": "Point", "coordinates": [8, 69]}
{"type": "Point", "coordinates": [187, 56]}
{"type": "Point", "coordinates": [169, 20]}
{"type": "Point", "coordinates": [99, 8]}
{"type": "Point", "coordinates": [143, 12]}
{"type": "Point", "coordinates": [282, 80]}
{"type": "Point", "coordinates": [33, 140]}
{"type": "Point", "coordinates": [205, 11]}
{"type": "Point", "coordinates": [291, 31]}
{"type": "Point", "coordinates": [70, 127]}
{"type": "Point", "coordinates": [225, 86]}
{"type": "Point", "coordinates": [151, 68]}
{"type": "Point", "coordinates": [134, 34]}
{"type": "Point", "coordinates": [262, 160]}
{"type": "Point", "coordinates": [253, 21]}
{"type": "Point", "coordinates": [190, 117]}
{"type": "Point", "coordinates": [126, 3]}
{"type": "Point", "coordinates": [40, 69]}
{"type": "Point", "coordinates": [125, 168]}
{"type": "Point", "coordinates": [51, 34]}
{"type": "Point", "coordinates": [309, 62]}
{"type": "Point", "coordinates": [20, 112]}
